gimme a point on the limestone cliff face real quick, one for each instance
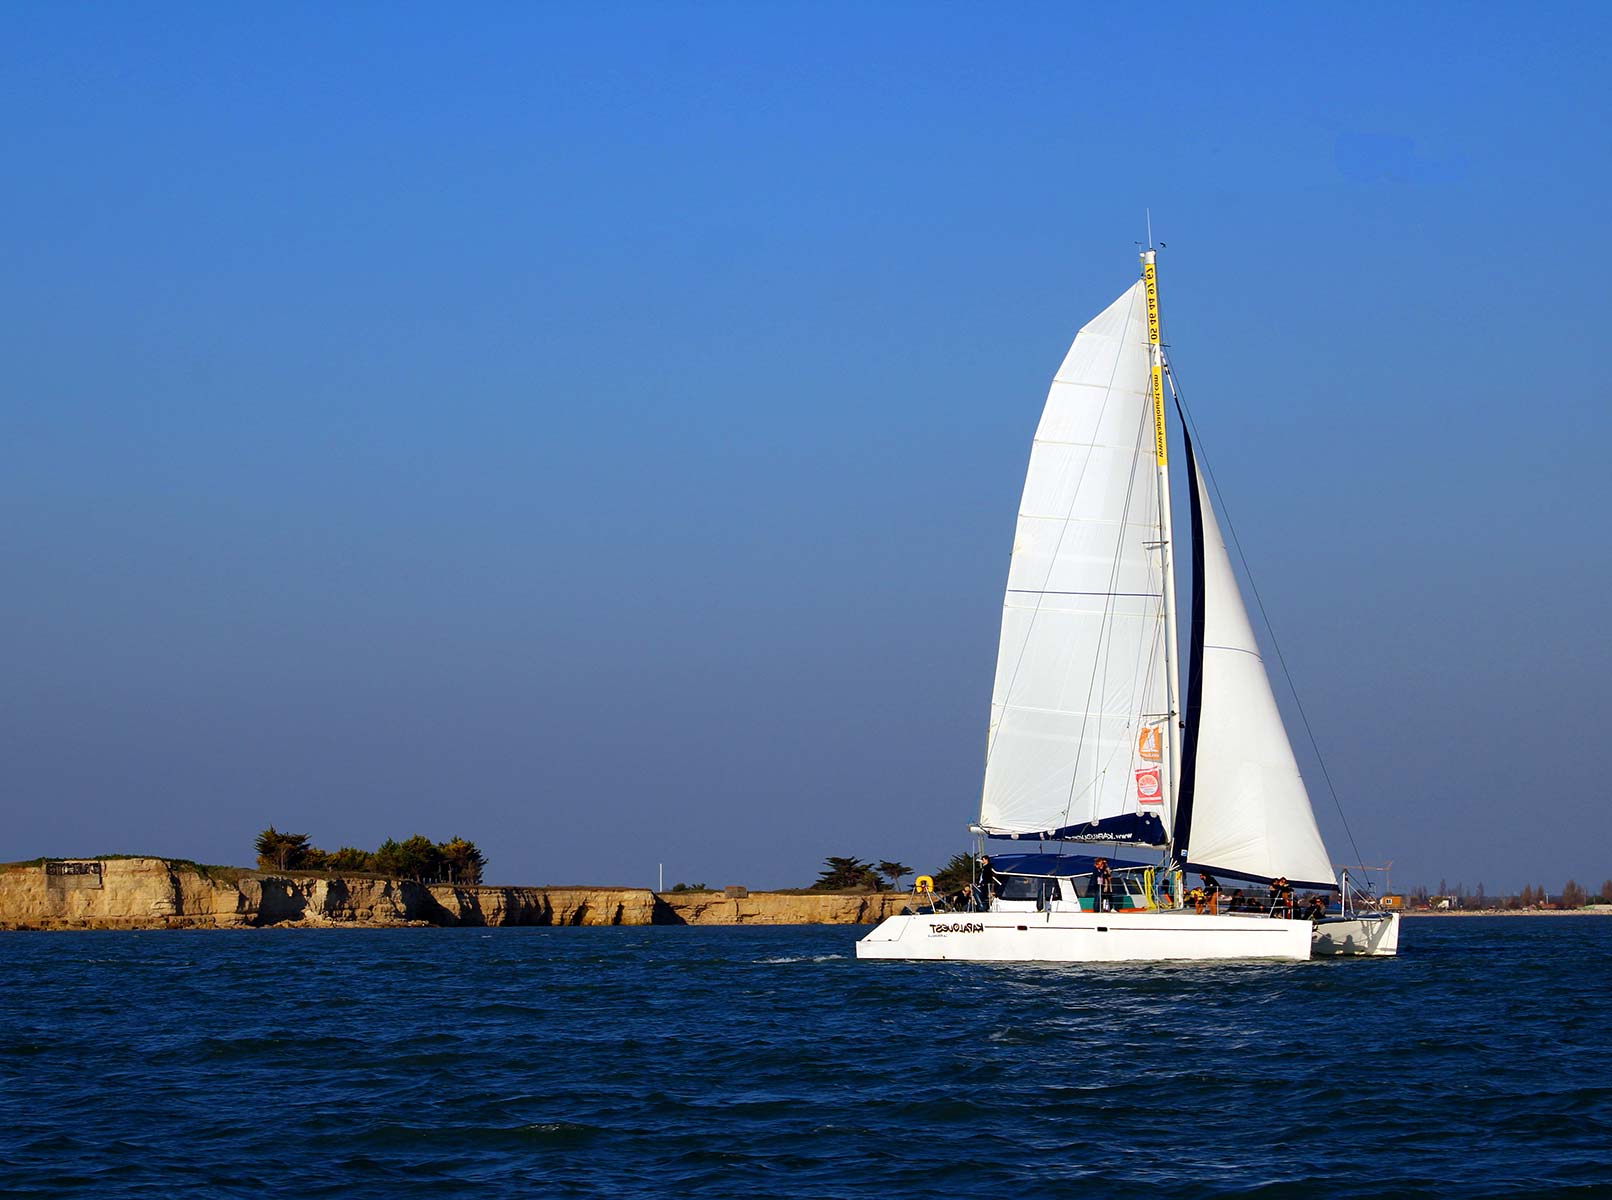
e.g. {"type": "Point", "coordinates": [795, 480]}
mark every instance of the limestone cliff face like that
{"type": "Point", "coordinates": [781, 908]}
{"type": "Point", "coordinates": [126, 893]}
{"type": "Point", "coordinates": [153, 893]}
{"type": "Point", "coordinates": [542, 906]}
{"type": "Point", "coordinates": [301, 900]}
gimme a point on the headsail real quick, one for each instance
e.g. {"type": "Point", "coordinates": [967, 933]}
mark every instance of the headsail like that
{"type": "Point", "coordinates": [1243, 810]}
{"type": "Point", "coordinates": [1073, 750]}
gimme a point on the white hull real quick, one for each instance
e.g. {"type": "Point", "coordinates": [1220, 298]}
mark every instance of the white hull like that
{"type": "Point", "coordinates": [1375, 935]}
{"type": "Point", "coordinates": [1084, 937]}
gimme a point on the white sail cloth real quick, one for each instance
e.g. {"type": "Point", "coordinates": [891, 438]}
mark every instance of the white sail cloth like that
{"type": "Point", "coordinates": [1250, 814]}
{"type": "Point", "coordinates": [1080, 670]}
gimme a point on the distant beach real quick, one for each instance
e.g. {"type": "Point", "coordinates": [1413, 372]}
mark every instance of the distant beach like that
{"type": "Point", "coordinates": [1597, 910]}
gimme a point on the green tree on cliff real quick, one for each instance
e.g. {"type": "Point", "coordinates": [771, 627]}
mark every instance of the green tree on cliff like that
{"type": "Point", "coordinates": [461, 861]}
{"type": "Point", "coordinates": [845, 875]}
{"type": "Point", "coordinates": [415, 857]}
{"type": "Point", "coordinates": [387, 860]}
{"type": "Point", "coordinates": [893, 871]}
{"type": "Point", "coordinates": [278, 851]}
{"type": "Point", "coordinates": [350, 858]}
{"type": "Point", "coordinates": [455, 861]}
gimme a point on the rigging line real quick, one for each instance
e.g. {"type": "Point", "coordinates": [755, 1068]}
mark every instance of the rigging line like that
{"type": "Point", "coordinates": [1100, 662]}
{"type": "Point", "coordinates": [1068, 518]}
{"type": "Point", "coordinates": [1154, 654]}
{"type": "Point", "coordinates": [1148, 646]}
{"type": "Point", "coordinates": [1225, 512]}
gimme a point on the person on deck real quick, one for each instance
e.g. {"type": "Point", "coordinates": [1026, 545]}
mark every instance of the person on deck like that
{"type": "Point", "coordinates": [1211, 892]}
{"type": "Point", "coordinates": [1102, 881]}
{"type": "Point", "coordinates": [986, 888]}
{"type": "Point", "coordinates": [1317, 908]}
{"type": "Point", "coordinates": [1238, 902]}
{"type": "Point", "coordinates": [1281, 896]}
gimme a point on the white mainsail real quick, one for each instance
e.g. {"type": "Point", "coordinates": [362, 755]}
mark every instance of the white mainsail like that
{"type": "Point", "coordinates": [1079, 698]}
{"type": "Point", "coordinates": [1249, 813]}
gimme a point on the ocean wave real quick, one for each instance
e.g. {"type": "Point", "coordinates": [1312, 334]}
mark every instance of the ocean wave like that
{"type": "Point", "coordinates": [798, 958]}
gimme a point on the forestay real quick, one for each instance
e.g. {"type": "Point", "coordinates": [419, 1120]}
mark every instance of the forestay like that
{"type": "Point", "coordinates": [1244, 808]}
{"type": "Point", "coordinates": [1074, 745]}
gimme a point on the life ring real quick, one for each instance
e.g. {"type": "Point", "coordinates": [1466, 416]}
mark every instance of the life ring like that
{"type": "Point", "coordinates": [924, 885]}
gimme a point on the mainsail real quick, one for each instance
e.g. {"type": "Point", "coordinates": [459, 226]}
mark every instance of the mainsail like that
{"type": "Point", "coordinates": [1243, 811]}
{"type": "Point", "coordinates": [1079, 703]}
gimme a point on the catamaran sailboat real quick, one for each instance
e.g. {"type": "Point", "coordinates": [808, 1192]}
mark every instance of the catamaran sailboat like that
{"type": "Point", "coordinates": [1090, 742]}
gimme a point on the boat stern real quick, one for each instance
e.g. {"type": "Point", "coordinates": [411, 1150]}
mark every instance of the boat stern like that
{"type": "Point", "coordinates": [1369, 935]}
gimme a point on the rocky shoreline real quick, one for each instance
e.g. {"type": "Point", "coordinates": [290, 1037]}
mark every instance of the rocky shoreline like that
{"type": "Point", "coordinates": [157, 893]}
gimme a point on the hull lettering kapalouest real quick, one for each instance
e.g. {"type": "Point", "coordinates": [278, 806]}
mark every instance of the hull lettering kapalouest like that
{"type": "Point", "coordinates": [1070, 936]}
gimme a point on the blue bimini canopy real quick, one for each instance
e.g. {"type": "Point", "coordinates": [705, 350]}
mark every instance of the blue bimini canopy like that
{"type": "Point", "coordinates": [1057, 866]}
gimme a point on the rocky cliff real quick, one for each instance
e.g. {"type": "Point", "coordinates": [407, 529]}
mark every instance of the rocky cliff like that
{"type": "Point", "coordinates": [154, 893]}
{"type": "Point", "coordinates": [780, 908]}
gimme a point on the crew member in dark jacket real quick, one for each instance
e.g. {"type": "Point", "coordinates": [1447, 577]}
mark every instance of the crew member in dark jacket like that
{"type": "Point", "coordinates": [1102, 883]}
{"type": "Point", "coordinates": [1281, 897]}
{"type": "Point", "coordinates": [987, 884]}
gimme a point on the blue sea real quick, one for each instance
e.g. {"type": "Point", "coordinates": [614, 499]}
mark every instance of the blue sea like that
{"type": "Point", "coordinates": [768, 1062]}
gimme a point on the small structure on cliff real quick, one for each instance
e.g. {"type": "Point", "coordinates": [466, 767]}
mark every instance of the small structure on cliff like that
{"type": "Point", "coordinates": [71, 874]}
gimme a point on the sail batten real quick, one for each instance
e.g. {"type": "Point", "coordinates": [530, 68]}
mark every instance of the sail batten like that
{"type": "Point", "coordinates": [1081, 661]}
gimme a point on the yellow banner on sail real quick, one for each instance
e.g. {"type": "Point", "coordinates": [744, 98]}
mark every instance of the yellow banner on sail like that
{"type": "Point", "coordinates": [1151, 285]}
{"type": "Point", "coordinates": [1158, 413]}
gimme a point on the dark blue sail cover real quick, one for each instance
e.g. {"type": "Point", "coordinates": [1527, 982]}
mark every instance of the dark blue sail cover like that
{"type": "Point", "coordinates": [1139, 829]}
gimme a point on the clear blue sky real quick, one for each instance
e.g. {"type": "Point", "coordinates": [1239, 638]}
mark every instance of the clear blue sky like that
{"type": "Point", "coordinates": [596, 430]}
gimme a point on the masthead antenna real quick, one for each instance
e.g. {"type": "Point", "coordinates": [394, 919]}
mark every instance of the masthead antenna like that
{"type": "Point", "coordinates": [1149, 213]}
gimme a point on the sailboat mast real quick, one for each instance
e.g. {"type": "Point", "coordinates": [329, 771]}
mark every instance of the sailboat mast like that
{"type": "Point", "coordinates": [1155, 354]}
